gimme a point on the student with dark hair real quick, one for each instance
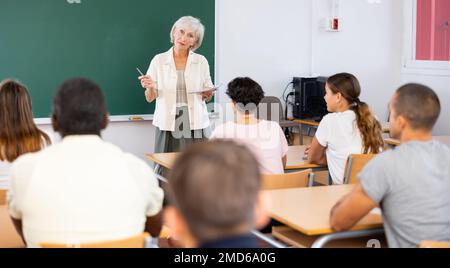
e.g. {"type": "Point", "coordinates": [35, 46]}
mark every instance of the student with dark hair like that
{"type": "Point", "coordinates": [264, 138]}
{"type": "Point", "coordinates": [411, 183]}
{"type": "Point", "coordinates": [83, 189]}
{"type": "Point", "coordinates": [18, 132]}
{"type": "Point", "coordinates": [214, 193]}
{"type": "Point", "coordinates": [350, 128]}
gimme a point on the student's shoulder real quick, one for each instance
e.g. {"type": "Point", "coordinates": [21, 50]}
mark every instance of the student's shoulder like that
{"type": "Point", "coordinates": [135, 161]}
{"type": "Point", "coordinates": [31, 157]}
{"type": "Point", "coordinates": [328, 119]}
{"type": "Point", "coordinates": [384, 158]}
{"type": "Point", "coordinates": [270, 124]}
{"type": "Point", "coordinates": [24, 165]}
{"type": "Point", "coordinates": [225, 126]}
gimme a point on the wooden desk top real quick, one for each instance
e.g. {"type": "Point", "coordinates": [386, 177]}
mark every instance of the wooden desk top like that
{"type": "Point", "coordinates": [164, 159]}
{"type": "Point", "coordinates": [294, 158]}
{"type": "Point", "coordinates": [443, 139]}
{"type": "Point", "coordinates": [306, 122]}
{"type": "Point", "coordinates": [308, 209]}
{"type": "Point", "coordinates": [9, 238]}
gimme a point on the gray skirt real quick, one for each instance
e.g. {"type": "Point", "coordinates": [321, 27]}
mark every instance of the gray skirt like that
{"type": "Point", "coordinates": [183, 136]}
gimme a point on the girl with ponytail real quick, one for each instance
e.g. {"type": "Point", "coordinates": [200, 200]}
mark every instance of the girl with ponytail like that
{"type": "Point", "coordinates": [350, 128]}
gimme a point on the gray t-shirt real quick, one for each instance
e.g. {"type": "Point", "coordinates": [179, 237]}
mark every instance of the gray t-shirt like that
{"type": "Point", "coordinates": [412, 185]}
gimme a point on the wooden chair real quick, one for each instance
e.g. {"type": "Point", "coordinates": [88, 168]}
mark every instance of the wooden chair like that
{"type": "Point", "coordinates": [355, 163]}
{"type": "Point", "coordinates": [299, 179]}
{"type": "Point", "coordinates": [434, 244]}
{"type": "Point", "coordinates": [3, 197]}
{"type": "Point", "coordinates": [138, 241]}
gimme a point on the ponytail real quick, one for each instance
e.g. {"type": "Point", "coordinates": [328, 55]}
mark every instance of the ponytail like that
{"type": "Point", "coordinates": [370, 128]}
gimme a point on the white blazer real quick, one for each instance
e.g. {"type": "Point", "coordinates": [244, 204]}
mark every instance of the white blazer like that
{"type": "Point", "coordinates": [163, 72]}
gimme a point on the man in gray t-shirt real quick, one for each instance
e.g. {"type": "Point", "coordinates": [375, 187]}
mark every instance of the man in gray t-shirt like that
{"type": "Point", "coordinates": [410, 183]}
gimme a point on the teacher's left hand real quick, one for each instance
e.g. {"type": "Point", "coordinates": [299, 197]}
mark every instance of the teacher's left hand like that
{"type": "Point", "coordinates": [207, 95]}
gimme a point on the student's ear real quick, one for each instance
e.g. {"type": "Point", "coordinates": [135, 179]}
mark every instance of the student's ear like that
{"type": "Point", "coordinates": [401, 122]}
{"type": "Point", "coordinates": [234, 106]}
{"type": "Point", "coordinates": [339, 97]}
{"type": "Point", "coordinates": [261, 216]}
{"type": "Point", "coordinates": [105, 121]}
{"type": "Point", "coordinates": [54, 123]}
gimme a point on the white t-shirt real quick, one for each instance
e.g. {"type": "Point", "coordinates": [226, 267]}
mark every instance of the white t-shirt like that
{"type": "Point", "coordinates": [5, 167]}
{"type": "Point", "coordinates": [266, 140]}
{"type": "Point", "coordinates": [82, 190]}
{"type": "Point", "coordinates": [339, 133]}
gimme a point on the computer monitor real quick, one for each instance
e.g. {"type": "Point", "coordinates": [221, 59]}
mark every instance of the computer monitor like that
{"type": "Point", "coordinates": [309, 95]}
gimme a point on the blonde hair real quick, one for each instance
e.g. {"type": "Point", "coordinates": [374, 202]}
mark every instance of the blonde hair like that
{"type": "Point", "coordinates": [193, 23]}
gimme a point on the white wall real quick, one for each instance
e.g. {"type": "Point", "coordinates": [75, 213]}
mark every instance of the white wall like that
{"type": "Point", "coordinates": [368, 46]}
{"type": "Point", "coordinates": [267, 40]}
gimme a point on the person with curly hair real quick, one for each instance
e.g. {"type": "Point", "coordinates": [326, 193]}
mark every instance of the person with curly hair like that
{"type": "Point", "coordinates": [264, 138]}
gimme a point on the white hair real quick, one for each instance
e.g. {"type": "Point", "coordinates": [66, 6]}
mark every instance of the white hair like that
{"type": "Point", "coordinates": [192, 23]}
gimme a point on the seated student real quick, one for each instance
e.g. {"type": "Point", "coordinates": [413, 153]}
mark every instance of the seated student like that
{"type": "Point", "coordinates": [18, 133]}
{"type": "Point", "coordinates": [411, 183]}
{"type": "Point", "coordinates": [264, 138]}
{"type": "Point", "coordinates": [83, 189]}
{"type": "Point", "coordinates": [350, 128]}
{"type": "Point", "coordinates": [214, 191]}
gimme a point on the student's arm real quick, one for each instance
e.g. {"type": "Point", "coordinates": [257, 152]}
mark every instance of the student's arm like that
{"type": "Point", "coordinates": [350, 209]}
{"type": "Point", "coordinates": [284, 161]}
{"type": "Point", "coordinates": [316, 153]}
{"type": "Point", "coordinates": [153, 225]}
{"type": "Point", "coordinates": [18, 226]}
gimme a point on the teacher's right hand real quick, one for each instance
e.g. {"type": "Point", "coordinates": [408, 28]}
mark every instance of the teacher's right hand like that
{"type": "Point", "coordinates": [146, 81]}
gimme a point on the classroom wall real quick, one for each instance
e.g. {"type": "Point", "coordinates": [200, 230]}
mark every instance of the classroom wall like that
{"type": "Point", "coordinates": [368, 46]}
{"type": "Point", "coordinates": [267, 40]}
{"type": "Point", "coordinates": [272, 41]}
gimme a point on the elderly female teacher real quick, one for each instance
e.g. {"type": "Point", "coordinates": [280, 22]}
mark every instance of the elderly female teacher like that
{"type": "Point", "coordinates": [174, 79]}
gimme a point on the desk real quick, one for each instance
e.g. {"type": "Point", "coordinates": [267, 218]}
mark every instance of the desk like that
{"type": "Point", "coordinates": [307, 210]}
{"type": "Point", "coordinates": [395, 142]}
{"type": "Point", "coordinates": [9, 238]}
{"type": "Point", "coordinates": [294, 159]}
{"type": "Point", "coordinates": [306, 122]}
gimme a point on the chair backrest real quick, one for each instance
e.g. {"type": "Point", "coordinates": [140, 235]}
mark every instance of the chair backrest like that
{"type": "Point", "coordinates": [138, 241]}
{"type": "Point", "coordinates": [434, 244]}
{"type": "Point", "coordinates": [2, 197]}
{"type": "Point", "coordinates": [267, 109]}
{"type": "Point", "coordinates": [355, 163]}
{"type": "Point", "coordinates": [288, 180]}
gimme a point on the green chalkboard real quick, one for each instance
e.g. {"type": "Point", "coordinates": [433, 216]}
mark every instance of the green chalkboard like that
{"type": "Point", "coordinates": [44, 42]}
